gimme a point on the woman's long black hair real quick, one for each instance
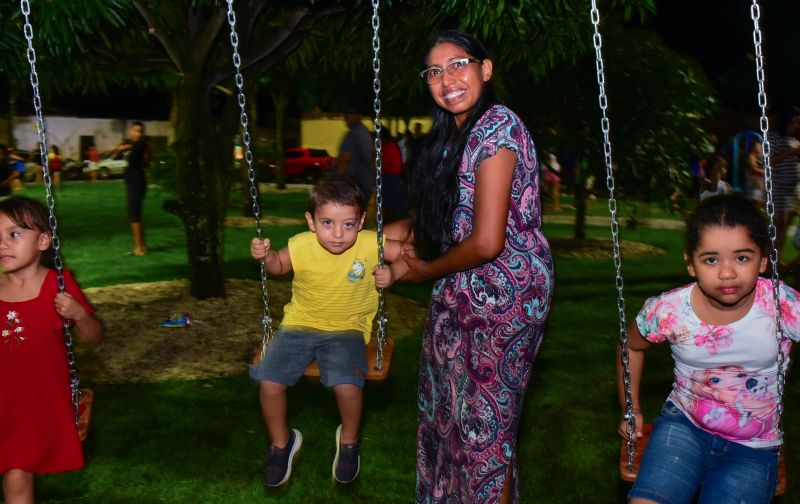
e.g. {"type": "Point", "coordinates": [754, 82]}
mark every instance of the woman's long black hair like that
{"type": "Point", "coordinates": [434, 185]}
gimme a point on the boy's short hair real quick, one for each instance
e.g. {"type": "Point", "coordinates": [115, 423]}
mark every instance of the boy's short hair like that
{"type": "Point", "coordinates": [339, 190]}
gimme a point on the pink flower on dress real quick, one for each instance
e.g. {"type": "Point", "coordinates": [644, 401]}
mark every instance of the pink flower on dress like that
{"type": "Point", "coordinates": [657, 308]}
{"type": "Point", "coordinates": [790, 311]}
{"type": "Point", "coordinates": [669, 324]}
{"type": "Point", "coordinates": [713, 338]}
{"type": "Point", "coordinates": [764, 297]}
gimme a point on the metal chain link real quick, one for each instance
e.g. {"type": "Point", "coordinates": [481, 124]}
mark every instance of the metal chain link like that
{"type": "Point", "coordinates": [605, 125]}
{"type": "Point", "coordinates": [58, 263]}
{"type": "Point", "coordinates": [755, 15]}
{"type": "Point", "coordinates": [376, 86]}
{"type": "Point", "coordinates": [266, 320]}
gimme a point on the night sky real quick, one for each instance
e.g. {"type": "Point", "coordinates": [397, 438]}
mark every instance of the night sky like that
{"type": "Point", "coordinates": [719, 35]}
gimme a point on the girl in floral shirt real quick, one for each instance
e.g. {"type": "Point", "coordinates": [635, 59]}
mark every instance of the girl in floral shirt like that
{"type": "Point", "coordinates": [718, 431]}
{"type": "Point", "coordinates": [37, 423]}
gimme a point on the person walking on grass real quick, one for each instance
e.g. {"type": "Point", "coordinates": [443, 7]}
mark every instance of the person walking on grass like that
{"type": "Point", "coordinates": [8, 174]}
{"type": "Point", "coordinates": [37, 419]}
{"type": "Point", "coordinates": [475, 228]}
{"type": "Point", "coordinates": [328, 319]}
{"type": "Point", "coordinates": [355, 153]}
{"type": "Point", "coordinates": [139, 157]}
{"type": "Point", "coordinates": [55, 162]}
{"type": "Point", "coordinates": [717, 435]}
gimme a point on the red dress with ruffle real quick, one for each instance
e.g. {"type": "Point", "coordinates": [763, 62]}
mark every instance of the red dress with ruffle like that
{"type": "Point", "coordinates": [37, 419]}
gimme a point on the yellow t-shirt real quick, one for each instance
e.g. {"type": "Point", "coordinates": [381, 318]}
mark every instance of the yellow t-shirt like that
{"type": "Point", "coordinates": [333, 292]}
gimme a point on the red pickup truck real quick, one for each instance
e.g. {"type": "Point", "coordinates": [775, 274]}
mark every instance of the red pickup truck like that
{"type": "Point", "coordinates": [303, 163]}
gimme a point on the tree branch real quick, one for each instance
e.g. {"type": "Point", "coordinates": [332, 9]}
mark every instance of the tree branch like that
{"type": "Point", "coordinates": [132, 61]}
{"type": "Point", "coordinates": [159, 31]}
{"type": "Point", "coordinates": [290, 34]}
{"type": "Point", "coordinates": [247, 16]}
{"type": "Point", "coordinates": [204, 40]}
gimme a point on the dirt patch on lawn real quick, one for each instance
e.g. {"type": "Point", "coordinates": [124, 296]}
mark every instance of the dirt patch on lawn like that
{"type": "Point", "coordinates": [221, 341]}
{"type": "Point", "coordinates": [597, 248]}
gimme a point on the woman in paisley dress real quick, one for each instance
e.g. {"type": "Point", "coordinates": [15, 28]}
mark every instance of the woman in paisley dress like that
{"type": "Point", "coordinates": [476, 227]}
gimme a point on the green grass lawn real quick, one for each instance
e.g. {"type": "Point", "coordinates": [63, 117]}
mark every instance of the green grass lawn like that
{"type": "Point", "coordinates": [204, 442]}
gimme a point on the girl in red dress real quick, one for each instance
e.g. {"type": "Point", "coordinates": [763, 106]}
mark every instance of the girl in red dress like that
{"type": "Point", "coordinates": [37, 427]}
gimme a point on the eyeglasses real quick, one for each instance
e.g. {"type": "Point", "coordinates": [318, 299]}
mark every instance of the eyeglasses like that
{"type": "Point", "coordinates": [435, 74]}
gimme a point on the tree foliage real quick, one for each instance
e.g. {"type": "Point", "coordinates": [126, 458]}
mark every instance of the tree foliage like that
{"type": "Point", "coordinates": [542, 52]}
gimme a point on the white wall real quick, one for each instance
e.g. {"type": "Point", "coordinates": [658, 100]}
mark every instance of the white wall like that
{"type": "Point", "coordinates": [66, 132]}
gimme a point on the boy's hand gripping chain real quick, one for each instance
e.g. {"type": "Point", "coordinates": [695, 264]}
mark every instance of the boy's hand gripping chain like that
{"type": "Point", "coordinates": [74, 382]}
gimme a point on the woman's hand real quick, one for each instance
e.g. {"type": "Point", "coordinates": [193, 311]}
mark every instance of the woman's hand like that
{"type": "Point", "coordinates": [637, 431]}
{"type": "Point", "coordinates": [418, 270]}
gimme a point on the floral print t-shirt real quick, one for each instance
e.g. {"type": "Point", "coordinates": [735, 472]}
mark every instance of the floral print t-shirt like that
{"type": "Point", "coordinates": [725, 375]}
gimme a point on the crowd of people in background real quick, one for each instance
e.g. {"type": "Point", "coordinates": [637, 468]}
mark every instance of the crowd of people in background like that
{"type": "Point", "coordinates": [17, 167]}
{"type": "Point", "coordinates": [357, 160]}
{"type": "Point", "coordinates": [737, 166]}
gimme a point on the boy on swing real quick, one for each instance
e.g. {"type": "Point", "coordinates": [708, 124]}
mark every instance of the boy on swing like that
{"type": "Point", "coordinates": [329, 318]}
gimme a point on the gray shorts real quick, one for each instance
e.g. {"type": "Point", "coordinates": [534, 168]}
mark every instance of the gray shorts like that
{"type": "Point", "coordinates": [340, 355]}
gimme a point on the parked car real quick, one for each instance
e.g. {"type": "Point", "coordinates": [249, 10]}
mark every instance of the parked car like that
{"type": "Point", "coordinates": [74, 170]}
{"type": "Point", "coordinates": [111, 167]}
{"type": "Point", "coordinates": [303, 164]}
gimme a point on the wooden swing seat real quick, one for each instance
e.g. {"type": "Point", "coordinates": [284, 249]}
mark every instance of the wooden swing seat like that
{"type": "Point", "coordinates": [312, 371]}
{"type": "Point", "coordinates": [85, 402]}
{"type": "Point", "coordinates": [629, 474]}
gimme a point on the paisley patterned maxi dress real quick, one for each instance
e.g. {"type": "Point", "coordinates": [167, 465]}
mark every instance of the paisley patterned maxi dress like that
{"type": "Point", "coordinates": [482, 334]}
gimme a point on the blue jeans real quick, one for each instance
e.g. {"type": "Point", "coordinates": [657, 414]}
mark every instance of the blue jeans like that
{"type": "Point", "coordinates": [681, 458]}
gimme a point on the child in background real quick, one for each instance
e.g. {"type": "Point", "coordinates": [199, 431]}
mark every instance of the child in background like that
{"type": "Point", "coordinates": [55, 162]}
{"type": "Point", "coordinates": [37, 424]}
{"type": "Point", "coordinates": [329, 318]}
{"type": "Point", "coordinates": [19, 165]}
{"type": "Point", "coordinates": [8, 174]}
{"type": "Point", "coordinates": [718, 431]}
{"type": "Point", "coordinates": [714, 182]}
{"type": "Point", "coordinates": [92, 158]}
{"type": "Point", "coordinates": [753, 161]}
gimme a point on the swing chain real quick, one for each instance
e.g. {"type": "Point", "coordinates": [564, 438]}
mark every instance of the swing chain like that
{"type": "Point", "coordinates": [755, 15]}
{"type": "Point", "coordinates": [58, 263]}
{"type": "Point", "coordinates": [376, 86]}
{"type": "Point", "coordinates": [605, 125]}
{"type": "Point", "coordinates": [251, 174]}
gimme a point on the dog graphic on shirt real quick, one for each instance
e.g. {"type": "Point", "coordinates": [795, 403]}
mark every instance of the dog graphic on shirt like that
{"type": "Point", "coordinates": [732, 401]}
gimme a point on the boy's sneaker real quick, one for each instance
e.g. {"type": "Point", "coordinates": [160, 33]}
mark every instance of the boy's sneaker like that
{"type": "Point", "coordinates": [279, 462]}
{"type": "Point", "coordinates": [347, 461]}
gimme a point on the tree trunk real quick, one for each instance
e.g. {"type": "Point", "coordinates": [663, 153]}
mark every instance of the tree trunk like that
{"type": "Point", "coordinates": [581, 196]}
{"type": "Point", "coordinates": [280, 99]}
{"type": "Point", "coordinates": [12, 118]}
{"type": "Point", "coordinates": [200, 189]}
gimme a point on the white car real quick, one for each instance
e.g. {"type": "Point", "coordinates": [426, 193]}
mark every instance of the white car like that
{"type": "Point", "coordinates": [108, 168]}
